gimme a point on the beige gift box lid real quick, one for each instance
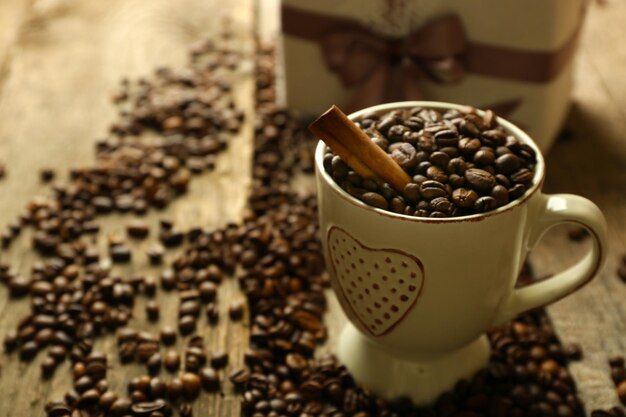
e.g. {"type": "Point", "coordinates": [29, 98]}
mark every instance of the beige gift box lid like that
{"type": "Point", "coordinates": [533, 25]}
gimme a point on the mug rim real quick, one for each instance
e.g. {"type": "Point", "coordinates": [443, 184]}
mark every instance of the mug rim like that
{"type": "Point", "coordinates": [510, 128]}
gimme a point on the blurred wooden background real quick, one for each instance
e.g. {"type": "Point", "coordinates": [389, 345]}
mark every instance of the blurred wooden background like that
{"type": "Point", "coordinates": [60, 60]}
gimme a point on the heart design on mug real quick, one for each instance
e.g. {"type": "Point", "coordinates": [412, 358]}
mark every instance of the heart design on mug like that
{"type": "Point", "coordinates": [380, 286]}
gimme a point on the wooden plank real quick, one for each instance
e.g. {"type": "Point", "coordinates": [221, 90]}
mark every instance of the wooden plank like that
{"type": "Point", "coordinates": [593, 164]}
{"type": "Point", "coordinates": [67, 62]}
{"type": "Point", "coordinates": [13, 14]}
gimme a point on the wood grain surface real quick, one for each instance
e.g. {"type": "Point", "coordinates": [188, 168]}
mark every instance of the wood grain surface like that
{"type": "Point", "coordinates": [60, 60]}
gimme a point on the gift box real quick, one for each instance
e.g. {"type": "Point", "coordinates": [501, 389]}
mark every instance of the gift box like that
{"type": "Point", "coordinates": [514, 57]}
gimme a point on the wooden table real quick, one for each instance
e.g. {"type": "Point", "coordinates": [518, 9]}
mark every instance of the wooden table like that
{"type": "Point", "coordinates": [60, 61]}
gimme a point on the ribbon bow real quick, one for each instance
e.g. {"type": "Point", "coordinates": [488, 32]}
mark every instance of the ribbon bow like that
{"type": "Point", "coordinates": [387, 69]}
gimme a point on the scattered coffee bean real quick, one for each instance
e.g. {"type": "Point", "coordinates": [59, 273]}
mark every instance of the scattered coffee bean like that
{"type": "Point", "coordinates": [235, 311]}
{"type": "Point", "coordinates": [190, 384]}
{"type": "Point", "coordinates": [155, 253]}
{"type": "Point", "coordinates": [616, 361]}
{"type": "Point", "coordinates": [154, 364]}
{"type": "Point", "coordinates": [152, 311]}
{"type": "Point", "coordinates": [120, 254]}
{"type": "Point", "coordinates": [210, 380]}
{"type": "Point", "coordinates": [46, 174]}
{"type": "Point", "coordinates": [212, 313]}
{"type": "Point", "coordinates": [174, 389]}
{"type": "Point", "coordinates": [168, 335]}
{"type": "Point", "coordinates": [239, 378]}
{"type": "Point", "coordinates": [137, 229]}
{"type": "Point", "coordinates": [219, 360]}
{"type": "Point", "coordinates": [187, 324]}
{"type": "Point", "coordinates": [48, 366]}
{"type": "Point", "coordinates": [148, 408]}
{"type": "Point", "coordinates": [172, 361]}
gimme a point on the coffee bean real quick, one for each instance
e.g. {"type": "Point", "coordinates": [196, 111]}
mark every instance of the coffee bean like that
{"type": "Point", "coordinates": [147, 408]}
{"type": "Point", "coordinates": [412, 192]}
{"type": "Point", "coordinates": [484, 157]}
{"type": "Point", "coordinates": [219, 360]}
{"type": "Point", "coordinates": [89, 398]}
{"type": "Point", "coordinates": [239, 378]}
{"type": "Point", "coordinates": [436, 174]}
{"type": "Point", "coordinates": [137, 229]}
{"type": "Point", "coordinates": [432, 189]}
{"type": "Point", "coordinates": [174, 389]}
{"type": "Point", "coordinates": [616, 361]}
{"type": "Point", "coordinates": [210, 379]}
{"type": "Point", "coordinates": [447, 137]}
{"type": "Point", "coordinates": [479, 180]}
{"type": "Point", "coordinates": [120, 407]}
{"type": "Point", "coordinates": [48, 366]}
{"type": "Point", "coordinates": [187, 324]}
{"type": "Point", "coordinates": [440, 159]}
{"type": "Point", "coordinates": [11, 341]}
{"type": "Point", "coordinates": [441, 204]}
{"type": "Point", "coordinates": [212, 313]}
{"type": "Point", "coordinates": [154, 363]}
{"type": "Point", "coordinates": [464, 198]}
{"type": "Point", "coordinates": [28, 350]}
{"type": "Point", "coordinates": [59, 410]}
{"type": "Point", "coordinates": [155, 253]}
{"type": "Point", "coordinates": [375, 200]}
{"type": "Point", "coordinates": [46, 174]}
{"type": "Point", "coordinates": [120, 254]}
{"type": "Point", "coordinates": [107, 399]}
{"type": "Point", "coordinates": [235, 311]}
{"type": "Point", "coordinates": [208, 291]}
{"type": "Point", "coordinates": [189, 308]}
{"type": "Point", "coordinates": [493, 137]}
{"type": "Point", "coordinates": [152, 311]}
{"type": "Point", "coordinates": [618, 375]}
{"type": "Point", "coordinates": [404, 154]}
{"type": "Point", "coordinates": [172, 361]}
{"type": "Point", "coordinates": [168, 335]}
{"type": "Point", "coordinates": [190, 385]}
{"type": "Point", "coordinates": [522, 176]}
{"type": "Point", "coordinates": [507, 164]}
{"type": "Point", "coordinates": [500, 194]}
{"type": "Point", "coordinates": [340, 168]}
{"type": "Point", "coordinates": [484, 204]}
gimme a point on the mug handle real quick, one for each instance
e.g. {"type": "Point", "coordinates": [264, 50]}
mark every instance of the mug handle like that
{"type": "Point", "coordinates": [560, 208]}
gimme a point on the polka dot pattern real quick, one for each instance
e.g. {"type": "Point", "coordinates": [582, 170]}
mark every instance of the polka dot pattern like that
{"type": "Point", "coordinates": [380, 285]}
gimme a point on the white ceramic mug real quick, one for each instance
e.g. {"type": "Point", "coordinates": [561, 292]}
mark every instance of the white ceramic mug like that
{"type": "Point", "coordinates": [421, 292]}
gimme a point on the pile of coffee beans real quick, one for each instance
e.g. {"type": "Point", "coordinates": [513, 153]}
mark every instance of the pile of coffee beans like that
{"type": "Point", "coordinates": [460, 162]}
{"type": "Point", "coordinates": [275, 256]}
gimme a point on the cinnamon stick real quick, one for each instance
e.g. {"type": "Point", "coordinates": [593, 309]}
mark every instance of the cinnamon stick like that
{"type": "Point", "coordinates": [353, 145]}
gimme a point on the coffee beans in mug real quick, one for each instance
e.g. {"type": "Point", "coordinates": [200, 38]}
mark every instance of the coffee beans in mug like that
{"type": "Point", "coordinates": [459, 165]}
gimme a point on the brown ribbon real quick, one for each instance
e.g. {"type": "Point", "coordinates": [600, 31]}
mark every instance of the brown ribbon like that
{"type": "Point", "coordinates": [388, 69]}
